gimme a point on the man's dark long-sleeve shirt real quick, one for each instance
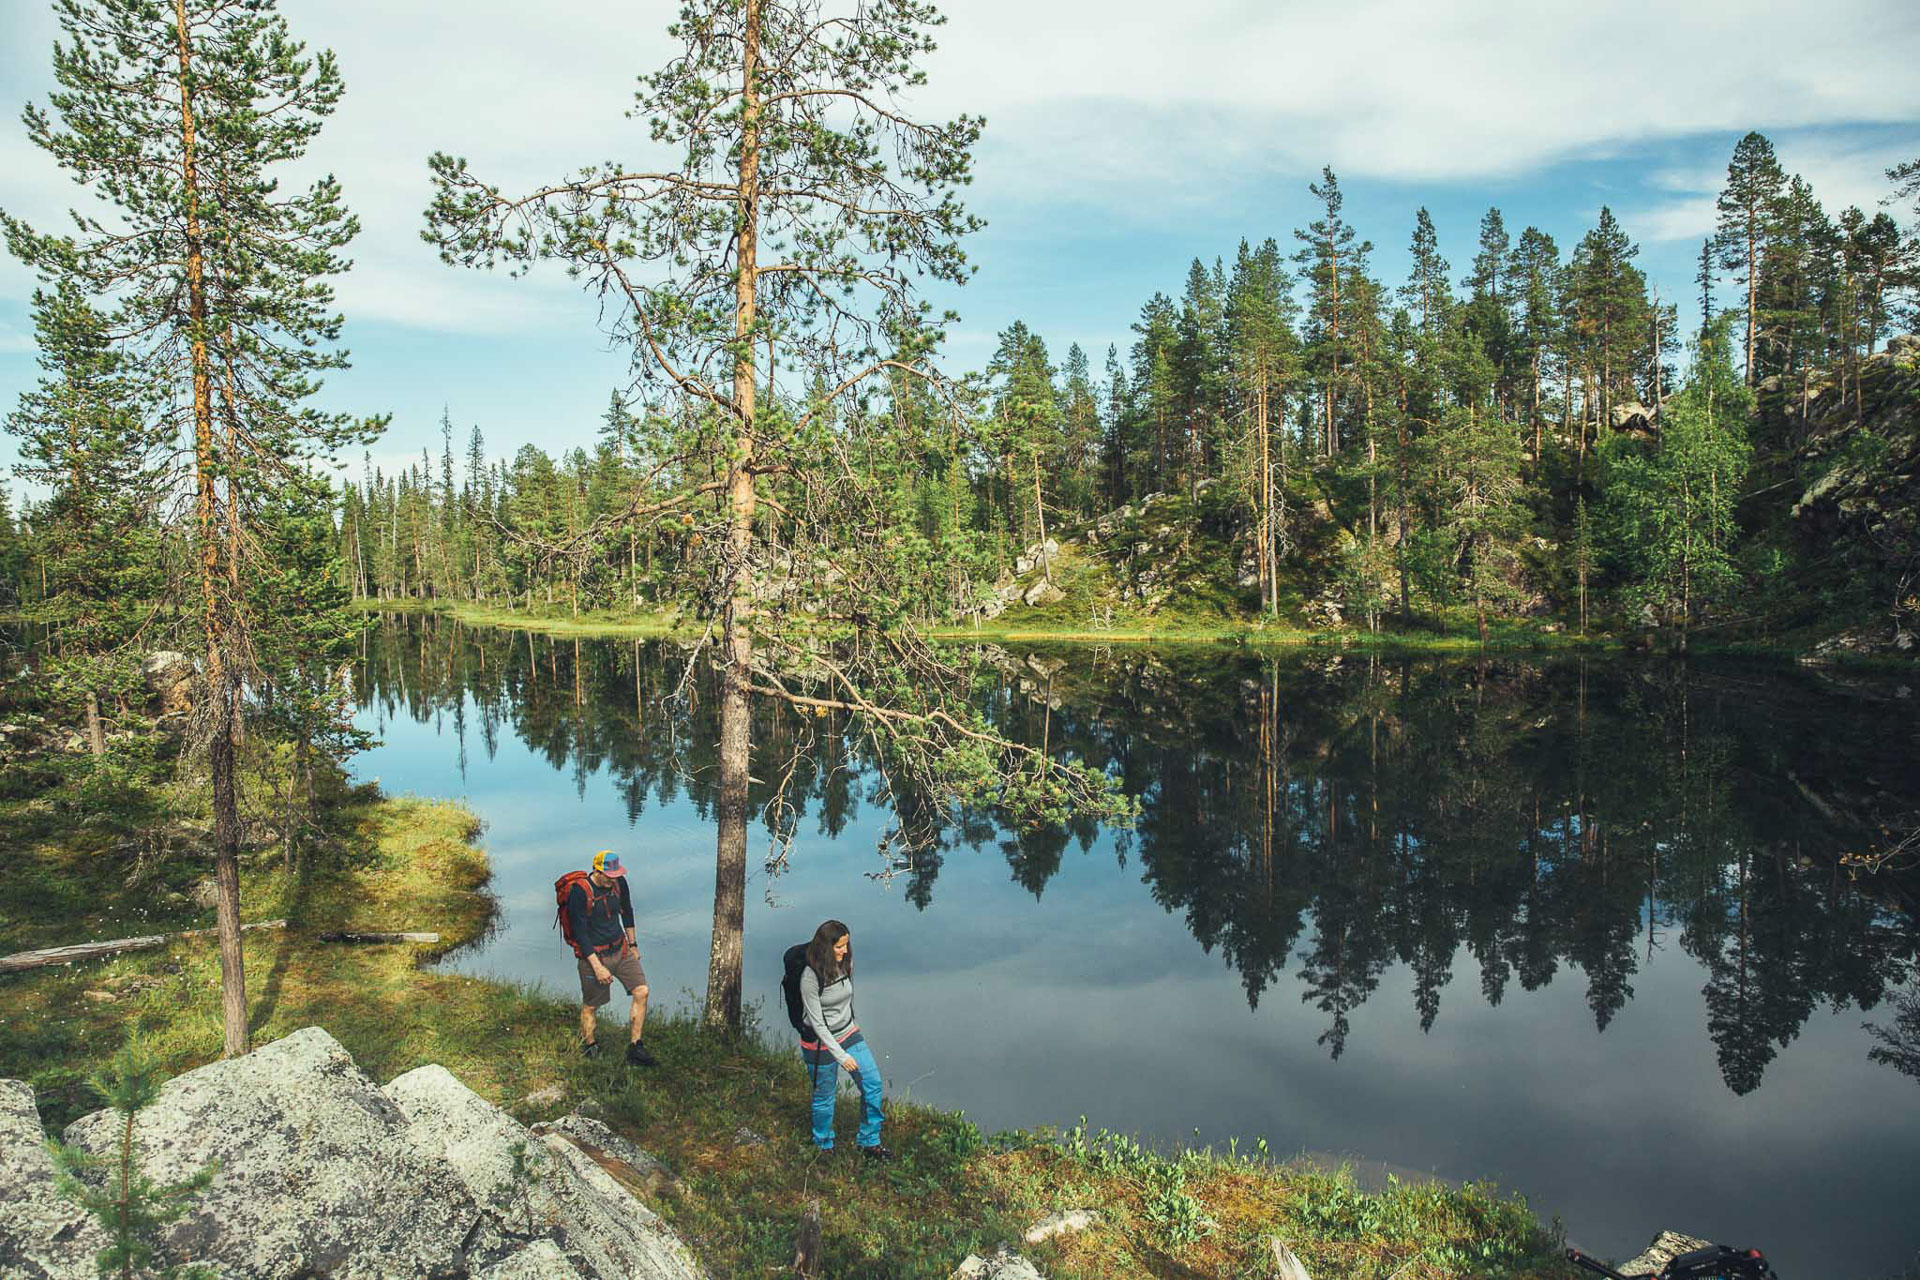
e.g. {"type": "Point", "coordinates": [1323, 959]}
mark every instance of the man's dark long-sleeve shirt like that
{"type": "Point", "coordinates": [602, 927]}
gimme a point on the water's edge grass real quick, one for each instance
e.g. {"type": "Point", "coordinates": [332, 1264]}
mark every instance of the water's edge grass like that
{"type": "Point", "coordinates": [605, 625]}
{"type": "Point", "coordinates": [726, 1115]}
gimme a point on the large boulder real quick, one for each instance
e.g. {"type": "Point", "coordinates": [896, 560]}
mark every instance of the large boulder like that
{"type": "Point", "coordinates": [1043, 592]}
{"type": "Point", "coordinates": [572, 1183]}
{"type": "Point", "coordinates": [322, 1173]}
{"type": "Point", "coordinates": [169, 678]}
{"type": "Point", "coordinates": [319, 1171]}
{"type": "Point", "coordinates": [43, 1235]}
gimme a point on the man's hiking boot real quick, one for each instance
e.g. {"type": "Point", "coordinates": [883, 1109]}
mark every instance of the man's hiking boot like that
{"type": "Point", "coordinates": [589, 1048]}
{"type": "Point", "coordinates": [638, 1056]}
{"type": "Point", "coordinates": [876, 1154]}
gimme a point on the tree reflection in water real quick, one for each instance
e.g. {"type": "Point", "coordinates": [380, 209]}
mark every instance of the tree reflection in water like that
{"type": "Point", "coordinates": [1338, 814]}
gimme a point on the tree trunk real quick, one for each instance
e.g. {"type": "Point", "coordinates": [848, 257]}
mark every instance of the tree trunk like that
{"type": "Point", "coordinates": [96, 734]}
{"type": "Point", "coordinates": [220, 683]}
{"type": "Point", "coordinates": [726, 957]}
{"type": "Point", "coordinates": [1040, 511]}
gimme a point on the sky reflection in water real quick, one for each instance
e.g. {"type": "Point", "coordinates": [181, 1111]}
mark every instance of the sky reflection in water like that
{"type": "Point", "coordinates": [1392, 909]}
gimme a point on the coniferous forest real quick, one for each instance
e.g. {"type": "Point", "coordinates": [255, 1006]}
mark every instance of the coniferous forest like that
{"type": "Point", "coordinates": [1539, 436]}
{"type": "Point", "coordinates": [827, 524]}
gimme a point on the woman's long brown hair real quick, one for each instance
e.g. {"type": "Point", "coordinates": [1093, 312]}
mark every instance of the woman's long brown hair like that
{"type": "Point", "coordinates": [820, 954]}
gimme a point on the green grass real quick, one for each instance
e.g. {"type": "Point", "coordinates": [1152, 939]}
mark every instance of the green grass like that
{"type": "Point", "coordinates": [551, 620]}
{"type": "Point", "coordinates": [952, 1191]}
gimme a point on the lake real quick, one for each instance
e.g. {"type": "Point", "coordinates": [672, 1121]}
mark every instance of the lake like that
{"type": "Point", "coordinates": [1581, 927]}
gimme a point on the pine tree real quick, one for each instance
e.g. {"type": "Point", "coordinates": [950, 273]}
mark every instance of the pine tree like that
{"type": "Point", "coordinates": [1796, 277]}
{"type": "Point", "coordinates": [1080, 432]}
{"type": "Point", "coordinates": [1704, 278]}
{"type": "Point", "coordinates": [1611, 313]}
{"type": "Point", "coordinates": [1747, 208]}
{"type": "Point", "coordinates": [181, 116]}
{"type": "Point", "coordinates": [1534, 279]}
{"type": "Point", "coordinates": [13, 558]}
{"type": "Point", "coordinates": [798, 207]}
{"type": "Point", "coordinates": [1199, 368]}
{"type": "Point", "coordinates": [1489, 314]}
{"type": "Point", "coordinates": [1264, 356]}
{"type": "Point", "coordinates": [1325, 244]}
{"type": "Point", "coordinates": [305, 659]}
{"type": "Point", "coordinates": [1670, 507]}
{"type": "Point", "coordinates": [1030, 427]}
{"type": "Point", "coordinates": [1116, 446]}
{"type": "Point", "coordinates": [131, 1207]}
{"type": "Point", "coordinates": [1428, 291]}
{"type": "Point", "coordinates": [88, 434]}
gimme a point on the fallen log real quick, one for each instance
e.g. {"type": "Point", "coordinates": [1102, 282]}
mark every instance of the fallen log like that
{"type": "Point", "coordinates": [347, 936]}
{"type": "Point", "coordinates": [21, 961]}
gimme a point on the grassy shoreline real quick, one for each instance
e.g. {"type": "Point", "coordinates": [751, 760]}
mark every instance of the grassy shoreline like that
{"type": "Point", "coordinates": [726, 1116]}
{"type": "Point", "coordinates": [1502, 636]}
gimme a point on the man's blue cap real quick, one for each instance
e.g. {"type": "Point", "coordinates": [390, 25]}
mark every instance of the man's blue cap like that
{"type": "Point", "coordinates": [607, 863]}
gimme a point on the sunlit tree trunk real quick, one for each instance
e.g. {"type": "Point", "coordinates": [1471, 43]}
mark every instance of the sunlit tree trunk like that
{"type": "Point", "coordinates": [726, 957]}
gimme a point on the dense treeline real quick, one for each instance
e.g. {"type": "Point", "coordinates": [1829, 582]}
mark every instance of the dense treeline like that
{"type": "Point", "coordinates": [1545, 435]}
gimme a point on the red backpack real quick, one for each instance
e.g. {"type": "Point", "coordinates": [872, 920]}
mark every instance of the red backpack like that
{"type": "Point", "coordinates": [561, 888]}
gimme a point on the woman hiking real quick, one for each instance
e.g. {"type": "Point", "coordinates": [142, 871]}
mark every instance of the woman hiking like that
{"type": "Point", "coordinates": [826, 993]}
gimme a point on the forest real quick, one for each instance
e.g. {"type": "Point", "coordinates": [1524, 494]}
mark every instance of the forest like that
{"type": "Point", "coordinates": [1542, 437]}
{"type": "Point", "coordinates": [200, 565]}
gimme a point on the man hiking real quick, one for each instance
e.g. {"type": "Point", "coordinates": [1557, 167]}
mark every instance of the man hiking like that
{"type": "Point", "coordinates": [596, 918]}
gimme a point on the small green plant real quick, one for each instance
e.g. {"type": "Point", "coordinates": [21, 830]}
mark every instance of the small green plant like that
{"type": "Point", "coordinates": [526, 1175]}
{"type": "Point", "coordinates": [131, 1206]}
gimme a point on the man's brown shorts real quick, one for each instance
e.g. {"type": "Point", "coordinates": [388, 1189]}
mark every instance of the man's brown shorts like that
{"type": "Point", "coordinates": [623, 964]}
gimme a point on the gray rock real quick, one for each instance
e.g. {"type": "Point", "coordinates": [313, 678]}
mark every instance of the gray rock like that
{"type": "Point", "coordinates": [570, 1179]}
{"type": "Point", "coordinates": [551, 1096]}
{"type": "Point", "coordinates": [585, 1131]}
{"type": "Point", "coordinates": [169, 677]}
{"type": "Point", "coordinates": [1043, 592]}
{"type": "Point", "coordinates": [476, 1138]}
{"type": "Point", "coordinates": [1003, 1264]}
{"type": "Point", "coordinates": [541, 1260]}
{"type": "Point", "coordinates": [322, 1173]}
{"type": "Point", "coordinates": [1666, 1246]}
{"type": "Point", "coordinates": [318, 1171]}
{"type": "Point", "coordinates": [43, 1235]}
{"type": "Point", "coordinates": [1061, 1223]}
{"type": "Point", "coordinates": [606, 1225]}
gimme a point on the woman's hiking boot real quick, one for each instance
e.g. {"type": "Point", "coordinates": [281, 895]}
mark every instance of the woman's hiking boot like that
{"type": "Point", "coordinates": [638, 1056]}
{"type": "Point", "coordinates": [876, 1154]}
{"type": "Point", "coordinates": [589, 1048]}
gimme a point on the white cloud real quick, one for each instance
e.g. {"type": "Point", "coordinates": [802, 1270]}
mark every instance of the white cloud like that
{"type": "Point", "coordinates": [1119, 102]}
{"type": "Point", "coordinates": [1410, 89]}
{"type": "Point", "coordinates": [1841, 171]}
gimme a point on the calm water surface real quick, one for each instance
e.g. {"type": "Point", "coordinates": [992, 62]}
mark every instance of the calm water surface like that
{"type": "Point", "coordinates": [1577, 927]}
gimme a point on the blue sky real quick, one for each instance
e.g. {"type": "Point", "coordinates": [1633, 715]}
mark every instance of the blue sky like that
{"type": "Point", "coordinates": [1125, 137]}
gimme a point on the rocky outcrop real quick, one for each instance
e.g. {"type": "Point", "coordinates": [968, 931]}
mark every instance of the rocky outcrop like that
{"type": "Point", "coordinates": [169, 679]}
{"type": "Point", "coordinates": [320, 1172]}
{"type": "Point", "coordinates": [566, 1182]}
{"type": "Point", "coordinates": [1666, 1246]}
{"type": "Point", "coordinates": [43, 1235]}
{"type": "Point", "coordinates": [1856, 477]}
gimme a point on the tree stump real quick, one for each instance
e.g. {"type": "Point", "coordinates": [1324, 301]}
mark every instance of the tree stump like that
{"type": "Point", "coordinates": [806, 1249]}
